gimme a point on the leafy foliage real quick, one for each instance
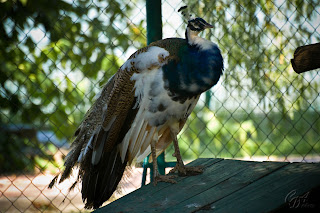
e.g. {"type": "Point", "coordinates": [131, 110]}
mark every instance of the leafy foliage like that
{"type": "Point", "coordinates": [245, 135]}
{"type": "Point", "coordinates": [48, 78]}
{"type": "Point", "coordinates": [260, 95]}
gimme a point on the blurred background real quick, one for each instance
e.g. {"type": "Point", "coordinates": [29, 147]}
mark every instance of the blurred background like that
{"type": "Point", "coordinates": [56, 55]}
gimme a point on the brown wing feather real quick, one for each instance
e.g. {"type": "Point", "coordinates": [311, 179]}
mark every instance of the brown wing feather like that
{"type": "Point", "coordinates": [106, 127]}
{"type": "Point", "coordinates": [100, 181]}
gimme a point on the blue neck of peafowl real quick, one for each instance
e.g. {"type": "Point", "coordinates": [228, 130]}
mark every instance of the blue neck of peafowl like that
{"type": "Point", "coordinates": [198, 69]}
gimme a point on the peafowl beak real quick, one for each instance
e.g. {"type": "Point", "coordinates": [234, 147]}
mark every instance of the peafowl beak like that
{"type": "Point", "coordinates": [208, 26]}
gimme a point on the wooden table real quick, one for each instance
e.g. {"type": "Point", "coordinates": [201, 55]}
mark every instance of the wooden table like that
{"type": "Point", "coordinates": [231, 186]}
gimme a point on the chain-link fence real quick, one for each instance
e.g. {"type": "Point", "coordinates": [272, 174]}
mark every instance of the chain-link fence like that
{"type": "Point", "coordinates": [55, 55]}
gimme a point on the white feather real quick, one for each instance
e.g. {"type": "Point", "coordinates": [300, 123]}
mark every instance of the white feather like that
{"type": "Point", "coordinates": [147, 141]}
{"type": "Point", "coordinates": [107, 128]}
{"type": "Point", "coordinates": [150, 58]}
{"type": "Point", "coordinates": [135, 147]}
{"type": "Point", "coordinates": [135, 134]}
{"type": "Point", "coordinates": [85, 151]}
{"type": "Point", "coordinates": [193, 87]}
{"type": "Point", "coordinates": [147, 151]}
{"type": "Point", "coordinates": [143, 61]}
{"type": "Point", "coordinates": [96, 154]}
{"type": "Point", "coordinates": [104, 109]}
{"type": "Point", "coordinates": [144, 154]}
{"type": "Point", "coordinates": [126, 142]}
{"type": "Point", "coordinates": [123, 146]}
{"type": "Point", "coordinates": [114, 161]}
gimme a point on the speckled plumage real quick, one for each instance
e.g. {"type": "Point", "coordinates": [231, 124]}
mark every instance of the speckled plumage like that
{"type": "Point", "coordinates": [147, 101]}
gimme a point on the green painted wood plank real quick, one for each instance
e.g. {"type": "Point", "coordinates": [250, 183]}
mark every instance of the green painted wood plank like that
{"type": "Point", "coordinates": [225, 186]}
{"type": "Point", "coordinates": [141, 195]}
{"type": "Point", "coordinates": [251, 173]}
{"type": "Point", "coordinates": [186, 188]}
{"type": "Point", "coordinates": [192, 186]}
{"type": "Point", "coordinates": [269, 192]}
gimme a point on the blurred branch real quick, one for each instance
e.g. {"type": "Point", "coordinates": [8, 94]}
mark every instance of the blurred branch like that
{"type": "Point", "coordinates": [306, 58]}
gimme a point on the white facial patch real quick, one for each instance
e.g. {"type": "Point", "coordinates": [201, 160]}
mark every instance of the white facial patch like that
{"type": "Point", "coordinates": [153, 57]}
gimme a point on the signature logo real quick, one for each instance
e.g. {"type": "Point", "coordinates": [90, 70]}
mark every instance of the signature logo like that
{"type": "Point", "coordinates": [298, 201]}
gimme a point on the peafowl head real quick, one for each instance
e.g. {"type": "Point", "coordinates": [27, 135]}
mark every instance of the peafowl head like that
{"type": "Point", "coordinates": [198, 24]}
{"type": "Point", "coordinates": [194, 27]}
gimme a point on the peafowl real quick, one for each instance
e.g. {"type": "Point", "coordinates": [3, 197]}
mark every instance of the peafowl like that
{"type": "Point", "coordinates": [141, 110]}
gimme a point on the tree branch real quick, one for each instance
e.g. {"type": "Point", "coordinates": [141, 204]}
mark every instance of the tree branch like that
{"type": "Point", "coordinates": [306, 58]}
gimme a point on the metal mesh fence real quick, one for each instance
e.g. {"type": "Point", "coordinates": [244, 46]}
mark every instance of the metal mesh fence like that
{"type": "Point", "coordinates": [55, 55]}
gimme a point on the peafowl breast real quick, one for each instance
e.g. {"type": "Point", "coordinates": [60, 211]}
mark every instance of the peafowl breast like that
{"type": "Point", "coordinates": [141, 110]}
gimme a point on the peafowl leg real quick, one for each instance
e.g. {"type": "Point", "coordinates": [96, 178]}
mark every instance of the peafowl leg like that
{"type": "Point", "coordinates": [156, 176]}
{"type": "Point", "coordinates": [180, 167]}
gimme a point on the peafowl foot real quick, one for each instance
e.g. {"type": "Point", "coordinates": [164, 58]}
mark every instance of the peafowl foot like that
{"type": "Point", "coordinates": [164, 178]}
{"type": "Point", "coordinates": [187, 170]}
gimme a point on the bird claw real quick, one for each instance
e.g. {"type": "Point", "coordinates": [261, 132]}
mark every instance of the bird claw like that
{"type": "Point", "coordinates": [164, 178]}
{"type": "Point", "coordinates": [187, 170]}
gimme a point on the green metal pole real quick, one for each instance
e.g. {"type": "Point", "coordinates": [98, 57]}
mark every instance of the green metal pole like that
{"type": "Point", "coordinates": [154, 20]}
{"type": "Point", "coordinates": [154, 33]}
